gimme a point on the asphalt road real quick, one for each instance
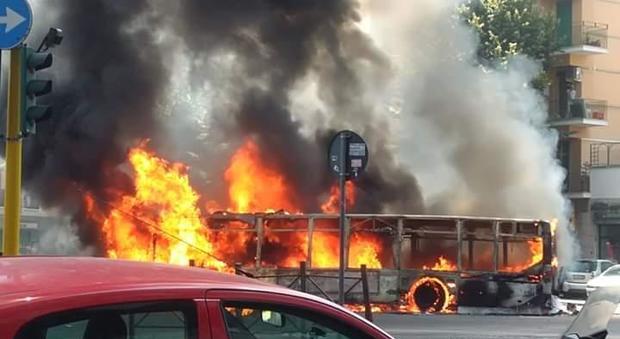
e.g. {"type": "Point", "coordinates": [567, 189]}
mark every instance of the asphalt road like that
{"type": "Point", "coordinates": [470, 327]}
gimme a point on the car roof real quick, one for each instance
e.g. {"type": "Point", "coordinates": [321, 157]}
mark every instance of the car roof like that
{"type": "Point", "coordinates": [50, 277]}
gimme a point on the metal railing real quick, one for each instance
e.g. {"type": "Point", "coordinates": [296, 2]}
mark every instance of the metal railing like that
{"type": "Point", "coordinates": [606, 154]}
{"type": "Point", "coordinates": [588, 33]}
{"type": "Point", "coordinates": [586, 109]}
{"type": "Point", "coordinates": [579, 183]}
{"type": "Point", "coordinates": [303, 279]}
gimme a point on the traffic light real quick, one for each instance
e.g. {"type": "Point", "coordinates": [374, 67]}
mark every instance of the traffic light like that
{"type": "Point", "coordinates": [32, 87]}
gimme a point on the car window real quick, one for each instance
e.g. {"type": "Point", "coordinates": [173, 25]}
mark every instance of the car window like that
{"type": "Point", "coordinates": [605, 265]}
{"type": "Point", "coordinates": [128, 321]}
{"type": "Point", "coordinates": [612, 272]}
{"type": "Point", "coordinates": [583, 266]}
{"type": "Point", "coordinates": [261, 321]}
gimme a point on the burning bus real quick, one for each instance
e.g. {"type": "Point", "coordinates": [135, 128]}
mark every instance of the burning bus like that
{"type": "Point", "coordinates": [415, 263]}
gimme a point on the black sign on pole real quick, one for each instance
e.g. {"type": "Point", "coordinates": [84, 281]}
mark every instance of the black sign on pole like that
{"type": "Point", "coordinates": [348, 157]}
{"type": "Point", "coordinates": [355, 158]}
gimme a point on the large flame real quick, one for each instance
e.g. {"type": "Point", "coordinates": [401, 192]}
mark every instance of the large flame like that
{"type": "Point", "coordinates": [363, 249]}
{"type": "Point", "coordinates": [254, 187]}
{"type": "Point", "coordinates": [160, 221]}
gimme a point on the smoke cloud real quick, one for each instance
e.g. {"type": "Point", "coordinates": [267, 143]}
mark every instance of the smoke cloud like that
{"type": "Point", "coordinates": [198, 77]}
{"type": "Point", "coordinates": [108, 80]}
{"type": "Point", "coordinates": [128, 71]}
{"type": "Point", "coordinates": [271, 51]}
{"type": "Point", "coordinates": [475, 138]}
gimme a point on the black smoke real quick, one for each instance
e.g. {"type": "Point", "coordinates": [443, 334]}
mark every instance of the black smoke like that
{"type": "Point", "coordinates": [104, 100]}
{"type": "Point", "coordinates": [111, 78]}
{"type": "Point", "coordinates": [278, 44]}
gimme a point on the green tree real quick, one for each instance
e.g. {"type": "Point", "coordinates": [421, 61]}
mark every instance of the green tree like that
{"type": "Point", "coordinates": [511, 27]}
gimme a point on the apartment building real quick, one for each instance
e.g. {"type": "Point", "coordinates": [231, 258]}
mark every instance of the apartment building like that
{"type": "Point", "coordinates": [34, 220]}
{"type": "Point", "coordinates": [584, 104]}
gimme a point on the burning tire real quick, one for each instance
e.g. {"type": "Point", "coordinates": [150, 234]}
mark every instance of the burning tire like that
{"type": "Point", "coordinates": [429, 295]}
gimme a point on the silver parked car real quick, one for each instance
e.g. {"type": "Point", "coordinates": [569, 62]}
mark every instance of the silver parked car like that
{"type": "Point", "coordinates": [576, 276]}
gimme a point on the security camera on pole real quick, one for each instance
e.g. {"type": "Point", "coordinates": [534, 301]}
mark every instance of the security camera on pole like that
{"type": "Point", "coordinates": [22, 110]}
{"type": "Point", "coordinates": [348, 157]}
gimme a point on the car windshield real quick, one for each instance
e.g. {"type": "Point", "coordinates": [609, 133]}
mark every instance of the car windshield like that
{"type": "Point", "coordinates": [583, 266]}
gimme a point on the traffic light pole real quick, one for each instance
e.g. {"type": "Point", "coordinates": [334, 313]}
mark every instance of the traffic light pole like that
{"type": "Point", "coordinates": [13, 174]}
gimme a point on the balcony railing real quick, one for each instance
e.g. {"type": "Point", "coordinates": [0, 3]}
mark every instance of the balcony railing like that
{"type": "Point", "coordinates": [588, 38]}
{"type": "Point", "coordinates": [605, 154]}
{"type": "Point", "coordinates": [578, 186]}
{"type": "Point", "coordinates": [582, 112]}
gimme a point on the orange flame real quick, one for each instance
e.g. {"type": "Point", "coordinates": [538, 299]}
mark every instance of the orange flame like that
{"type": "Point", "coordinates": [535, 256]}
{"type": "Point", "coordinates": [442, 264]}
{"type": "Point", "coordinates": [444, 299]}
{"type": "Point", "coordinates": [160, 221]}
{"type": "Point", "coordinates": [253, 186]}
{"type": "Point", "coordinates": [363, 250]}
{"type": "Point", "coordinates": [163, 204]}
{"type": "Point", "coordinates": [332, 204]}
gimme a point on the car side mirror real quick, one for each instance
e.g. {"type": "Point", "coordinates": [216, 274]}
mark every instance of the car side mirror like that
{"type": "Point", "coordinates": [272, 318]}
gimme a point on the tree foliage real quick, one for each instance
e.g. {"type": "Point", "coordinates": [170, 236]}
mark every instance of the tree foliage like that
{"type": "Point", "coordinates": [510, 27]}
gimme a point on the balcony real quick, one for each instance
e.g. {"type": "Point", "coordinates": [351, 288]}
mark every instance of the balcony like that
{"type": "Point", "coordinates": [605, 155]}
{"type": "Point", "coordinates": [578, 186]}
{"type": "Point", "coordinates": [587, 38]}
{"type": "Point", "coordinates": [582, 113]}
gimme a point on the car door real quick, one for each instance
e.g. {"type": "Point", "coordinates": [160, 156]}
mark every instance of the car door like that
{"type": "Point", "coordinates": [238, 314]}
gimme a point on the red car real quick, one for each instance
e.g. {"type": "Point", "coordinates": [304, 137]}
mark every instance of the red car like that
{"type": "Point", "coordinates": [93, 298]}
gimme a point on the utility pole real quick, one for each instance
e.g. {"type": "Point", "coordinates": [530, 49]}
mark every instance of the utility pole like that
{"type": "Point", "coordinates": [13, 177]}
{"type": "Point", "coordinates": [347, 158]}
{"type": "Point", "coordinates": [342, 178]}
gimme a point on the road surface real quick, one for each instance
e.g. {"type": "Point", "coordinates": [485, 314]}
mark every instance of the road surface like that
{"type": "Point", "coordinates": [470, 327]}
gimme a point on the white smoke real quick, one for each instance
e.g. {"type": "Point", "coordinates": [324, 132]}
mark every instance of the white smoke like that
{"type": "Point", "coordinates": [61, 239]}
{"type": "Point", "coordinates": [475, 138]}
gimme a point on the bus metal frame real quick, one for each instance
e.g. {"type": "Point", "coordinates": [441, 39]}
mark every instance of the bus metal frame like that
{"type": "Point", "coordinates": [487, 289]}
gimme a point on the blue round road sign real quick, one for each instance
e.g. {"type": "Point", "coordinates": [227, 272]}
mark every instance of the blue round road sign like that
{"type": "Point", "coordinates": [15, 22]}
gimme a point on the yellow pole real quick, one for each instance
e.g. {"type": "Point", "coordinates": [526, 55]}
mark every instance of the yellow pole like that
{"type": "Point", "coordinates": [13, 175]}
